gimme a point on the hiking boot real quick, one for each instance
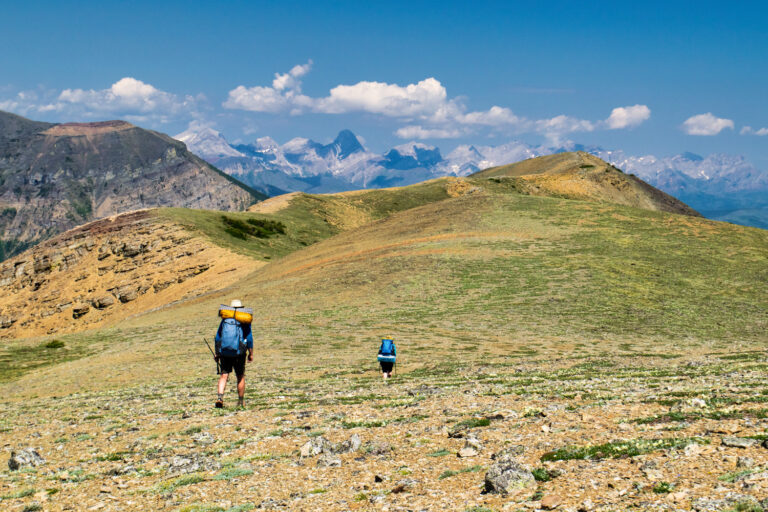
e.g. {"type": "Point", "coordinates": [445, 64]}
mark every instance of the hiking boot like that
{"type": "Point", "coordinates": [219, 403]}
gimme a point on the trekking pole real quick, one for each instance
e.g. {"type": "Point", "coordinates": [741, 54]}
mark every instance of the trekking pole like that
{"type": "Point", "coordinates": [218, 366]}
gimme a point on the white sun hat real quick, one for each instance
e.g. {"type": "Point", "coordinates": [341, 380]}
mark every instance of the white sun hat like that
{"type": "Point", "coordinates": [236, 304]}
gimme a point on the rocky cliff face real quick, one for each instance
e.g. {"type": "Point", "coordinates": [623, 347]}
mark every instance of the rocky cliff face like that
{"type": "Point", "coordinates": [108, 270]}
{"type": "Point", "coordinates": [55, 177]}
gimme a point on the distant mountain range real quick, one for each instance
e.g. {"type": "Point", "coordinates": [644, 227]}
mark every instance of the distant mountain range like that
{"type": "Point", "coordinates": [723, 187]}
{"type": "Point", "coordinates": [54, 177]}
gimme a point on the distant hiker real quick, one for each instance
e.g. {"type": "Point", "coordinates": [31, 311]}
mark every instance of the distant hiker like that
{"type": "Point", "coordinates": [233, 341]}
{"type": "Point", "coordinates": [387, 356]}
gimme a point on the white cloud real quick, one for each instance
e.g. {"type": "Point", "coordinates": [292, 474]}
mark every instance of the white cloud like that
{"type": "Point", "coordinates": [419, 132]}
{"type": "Point", "coordinates": [425, 105]}
{"type": "Point", "coordinates": [495, 116]}
{"type": "Point", "coordinates": [284, 95]}
{"type": "Point", "coordinates": [706, 124]}
{"type": "Point", "coordinates": [128, 98]}
{"type": "Point", "coordinates": [423, 99]}
{"type": "Point", "coordinates": [748, 130]}
{"type": "Point", "coordinates": [628, 117]}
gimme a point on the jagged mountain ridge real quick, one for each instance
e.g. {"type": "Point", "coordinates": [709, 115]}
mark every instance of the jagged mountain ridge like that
{"type": "Point", "coordinates": [54, 177]}
{"type": "Point", "coordinates": [717, 185]}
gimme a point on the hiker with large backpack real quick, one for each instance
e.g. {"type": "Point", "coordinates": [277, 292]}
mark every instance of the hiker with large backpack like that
{"type": "Point", "coordinates": [233, 341]}
{"type": "Point", "coordinates": [387, 357]}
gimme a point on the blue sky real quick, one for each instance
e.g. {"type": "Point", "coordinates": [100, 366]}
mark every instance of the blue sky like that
{"type": "Point", "coordinates": [447, 72]}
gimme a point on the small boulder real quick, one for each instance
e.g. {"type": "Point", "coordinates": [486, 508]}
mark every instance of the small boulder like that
{"type": "Point", "coordinates": [509, 452]}
{"type": "Point", "coordinates": [127, 293]}
{"type": "Point", "coordinates": [507, 475]}
{"type": "Point", "coordinates": [378, 448]}
{"type": "Point", "coordinates": [551, 501]}
{"type": "Point", "coordinates": [179, 465]}
{"type": "Point", "coordinates": [80, 310]}
{"type": "Point", "coordinates": [103, 302]}
{"type": "Point", "coordinates": [405, 485]}
{"type": "Point", "coordinates": [203, 438]}
{"type": "Point", "coordinates": [316, 446]}
{"type": "Point", "coordinates": [350, 445]}
{"type": "Point", "coordinates": [739, 442]}
{"type": "Point", "coordinates": [467, 452]}
{"type": "Point", "coordinates": [328, 460]}
{"type": "Point", "coordinates": [25, 458]}
{"type": "Point", "coordinates": [473, 442]}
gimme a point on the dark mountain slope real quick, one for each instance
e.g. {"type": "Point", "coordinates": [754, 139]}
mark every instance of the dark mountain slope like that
{"type": "Point", "coordinates": [55, 177]}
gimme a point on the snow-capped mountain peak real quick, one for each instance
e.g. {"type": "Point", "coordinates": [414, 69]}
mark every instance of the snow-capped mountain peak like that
{"type": "Point", "coordinates": [207, 143]}
{"type": "Point", "coordinates": [713, 184]}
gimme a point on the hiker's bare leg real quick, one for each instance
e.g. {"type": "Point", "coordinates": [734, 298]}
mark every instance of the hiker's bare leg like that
{"type": "Point", "coordinates": [241, 387]}
{"type": "Point", "coordinates": [223, 382]}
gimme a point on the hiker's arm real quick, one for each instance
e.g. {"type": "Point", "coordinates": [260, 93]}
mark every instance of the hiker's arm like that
{"type": "Point", "coordinates": [217, 342]}
{"type": "Point", "coordinates": [249, 341]}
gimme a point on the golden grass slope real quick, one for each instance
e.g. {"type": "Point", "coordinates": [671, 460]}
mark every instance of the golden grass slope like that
{"type": "Point", "coordinates": [583, 176]}
{"type": "Point", "coordinates": [103, 272]}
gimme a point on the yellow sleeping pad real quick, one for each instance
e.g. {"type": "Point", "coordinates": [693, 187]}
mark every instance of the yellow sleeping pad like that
{"type": "Point", "coordinates": [242, 315]}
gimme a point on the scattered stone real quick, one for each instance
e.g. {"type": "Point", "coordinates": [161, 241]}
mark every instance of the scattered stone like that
{"type": "Point", "coordinates": [103, 302]}
{"type": "Point", "coordinates": [745, 462]}
{"type": "Point", "coordinates": [551, 501]}
{"type": "Point", "coordinates": [473, 442]}
{"type": "Point", "coordinates": [127, 293]}
{"type": "Point", "coordinates": [272, 504]}
{"type": "Point", "coordinates": [424, 390]}
{"type": "Point", "coordinates": [350, 445]}
{"type": "Point", "coordinates": [328, 460]}
{"type": "Point", "coordinates": [509, 452]}
{"type": "Point", "coordinates": [506, 475]}
{"type": "Point", "coordinates": [378, 448]}
{"type": "Point", "coordinates": [6, 322]}
{"type": "Point", "coordinates": [203, 438]}
{"type": "Point", "coordinates": [739, 442]}
{"type": "Point", "coordinates": [27, 457]}
{"type": "Point", "coordinates": [181, 465]}
{"type": "Point", "coordinates": [315, 446]}
{"type": "Point", "coordinates": [80, 310]}
{"type": "Point", "coordinates": [122, 470]}
{"type": "Point", "coordinates": [467, 452]}
{"type": "Point", "coordinates": [692, 450]}
{"type": "Point", "coordinates": [404, 485]}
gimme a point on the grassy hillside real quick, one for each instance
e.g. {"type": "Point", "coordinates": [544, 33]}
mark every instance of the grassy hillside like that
{"type": "Point", "coordinates": [580, 175]}
{"type": "Point", "coordinates": [487, 275]}
{"type": "Point", "coordinates": [587, 338]}
{"type": "Point", "coordinates": [310, 218]}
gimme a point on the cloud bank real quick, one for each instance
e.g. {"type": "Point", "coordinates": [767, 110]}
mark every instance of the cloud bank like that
{"type": "Point", "coordinates": [129, 98]}
{"type": "Point", "coordinates": [424, 106]}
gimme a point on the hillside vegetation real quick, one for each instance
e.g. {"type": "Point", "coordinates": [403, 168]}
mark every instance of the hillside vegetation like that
{"type": "Point", "coordinates": [492, 272]}
{"type": "Point", "coordinates": [580, 338]}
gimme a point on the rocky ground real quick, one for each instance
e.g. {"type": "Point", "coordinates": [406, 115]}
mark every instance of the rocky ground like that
{"type": "Point", "coordinates": [597, 433]}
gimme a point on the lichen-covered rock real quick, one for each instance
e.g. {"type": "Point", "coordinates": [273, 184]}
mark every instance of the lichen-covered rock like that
{"type": "Point", "coordinates": [507, 475]}
{"type": "Point", "coordinates": [328, 460]}
{"type": "Point", "coordinates": [25, 458]}
{"type": "Point", "coordinates": [315, 446]}
{"type": "Point", "coordinates": [180, 465]}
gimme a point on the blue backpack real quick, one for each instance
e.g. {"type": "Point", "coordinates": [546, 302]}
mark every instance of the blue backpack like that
{"type": "Point", "coordinates": [231, 337]}
{"type": "Point", "coordinates": [387, 347]}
